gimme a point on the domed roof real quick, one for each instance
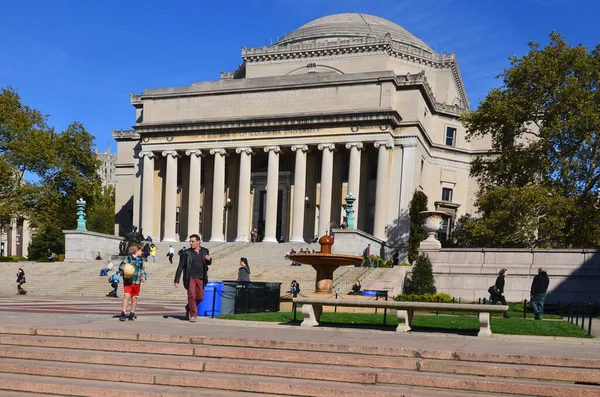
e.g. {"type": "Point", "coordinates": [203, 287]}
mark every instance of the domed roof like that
{"type": "Point", "coordinates": [352, 25]}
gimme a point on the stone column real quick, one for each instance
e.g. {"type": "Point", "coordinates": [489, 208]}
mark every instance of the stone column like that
{"type": "Point", "coordinates": [243, 200]}
{"type": "Point", "coordinates": [14, 231]}
{"type": "Point", "coordinates": [25, 238]}
{"type": "Point", "coordinates": [299, 193]}
{"type": "Point", "coordinates": [170, 195]}
{"type": "Point", "coordinates": [272, 190]}
{"type": "Point", "coordinates": [354, 174]}
{"type": "Point", "coordinates": [326, 187]}
{"type": "Point", "coordinates": [194, 191]}
{"type": "Point", "coordinates": [218, 195]}
{"type": "Point", "coordinates": [381, 191]}
{"type": "Point", "coordinates": [147, 221]}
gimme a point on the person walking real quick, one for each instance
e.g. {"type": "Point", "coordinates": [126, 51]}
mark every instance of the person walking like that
{"type": "Point", "coordinates": [194, 263]}
{"type": "Point", "coordinates": [367, 256]}
{"type": "Point", "coordinates": [539, 287]}
{"type": "Point", "coordinates": [20, 281]}
{"type": "Point", "coordinates": [171, 253]}
{"type": "Point", "coordinates": [498, 295]}
{"type": "Point", "coordinates": [243, 271]}
{"type": "Point", "coordinates": [134, 275]}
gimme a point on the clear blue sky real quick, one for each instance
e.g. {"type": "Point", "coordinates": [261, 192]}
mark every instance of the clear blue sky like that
{"type": "Point", "coordinates": [79, 60]}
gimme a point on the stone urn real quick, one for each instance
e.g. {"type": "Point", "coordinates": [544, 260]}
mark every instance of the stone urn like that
{"type": "Point", "coordinates": [432, 221]}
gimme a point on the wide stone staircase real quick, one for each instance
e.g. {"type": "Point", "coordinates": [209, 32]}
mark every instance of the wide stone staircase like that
{"type": "Point", "coordinates": [267, 263]}
{"type": "Point", "coordinates": [80, 362]}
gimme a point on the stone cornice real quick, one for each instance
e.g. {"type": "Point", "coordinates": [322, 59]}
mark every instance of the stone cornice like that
{"type": "Point", "coordinates": [125, 135]}
{"type": "Point", "coordinates": [343, 47]}
{"type": "Point", "coordinates": [372, 116]}
{"type": "Point", "coordinates": [418, 81]}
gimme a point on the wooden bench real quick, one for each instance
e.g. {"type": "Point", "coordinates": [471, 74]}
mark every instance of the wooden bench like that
{"type": "Point", "coordinates": [313, 307]}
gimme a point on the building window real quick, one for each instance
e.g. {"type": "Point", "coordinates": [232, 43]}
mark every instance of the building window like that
{"type": "Point", "coordinates": [446, 194]}
{"type": "Point", "coordinates": [450, 136]}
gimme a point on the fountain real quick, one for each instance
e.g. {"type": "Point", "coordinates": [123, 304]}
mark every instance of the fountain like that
{"type": "Point", "coordinates": [325, 263]}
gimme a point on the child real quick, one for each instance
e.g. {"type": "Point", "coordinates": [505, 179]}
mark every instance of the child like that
{"type": "Point", "coordinates": [132, 280]}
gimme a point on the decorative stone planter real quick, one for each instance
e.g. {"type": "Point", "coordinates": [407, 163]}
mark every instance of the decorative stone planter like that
{"type": "Point", "coordinates": [431, 223]}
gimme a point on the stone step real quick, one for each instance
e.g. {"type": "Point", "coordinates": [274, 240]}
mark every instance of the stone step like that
{"type": "Point", "coordinates": [102, 380]}
{"type": "Point", "coordinates": [26, 385]}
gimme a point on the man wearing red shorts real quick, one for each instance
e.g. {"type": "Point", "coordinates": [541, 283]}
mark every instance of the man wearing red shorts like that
{"type": "Point", "coordinates": [194, 263]}
{"type": "Point", "coordinates": [131, 285]}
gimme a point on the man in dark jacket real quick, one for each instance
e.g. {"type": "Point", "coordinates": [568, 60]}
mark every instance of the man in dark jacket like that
{"type": "Point", "coordinates": [538, 292]}
{"type": "Point", "coordinates": [194, 263]}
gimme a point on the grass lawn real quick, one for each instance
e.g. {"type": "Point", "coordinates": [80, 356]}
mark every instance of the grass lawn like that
{"type": "Point", "coordinates": [442, 323]}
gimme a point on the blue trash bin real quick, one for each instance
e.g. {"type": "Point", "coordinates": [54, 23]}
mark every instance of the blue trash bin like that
{"type": "Point", "coordinates": [212, 292]}
{"type": "Point", "coordinates": [369, 293]}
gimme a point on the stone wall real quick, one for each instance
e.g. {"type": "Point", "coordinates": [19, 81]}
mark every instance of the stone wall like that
{"type": "Point", "coordinates": [467, 273]}
{"type": "Point", "coordinates": [84, 246]}
{"type": "Point", "coordinates": [354, 241]}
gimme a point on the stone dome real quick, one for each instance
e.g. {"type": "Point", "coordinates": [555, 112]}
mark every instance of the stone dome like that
{"type": "Point", "coordinates": [351, 26]}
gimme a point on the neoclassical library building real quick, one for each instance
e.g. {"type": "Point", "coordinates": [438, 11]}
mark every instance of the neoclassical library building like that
{"type": "Point", "coordinates": [346, 104]}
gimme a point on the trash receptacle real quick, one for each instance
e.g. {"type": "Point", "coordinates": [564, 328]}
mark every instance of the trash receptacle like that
{"type": "Point", "coordinates": [272, 294]}
{"type": "Point", "coordinates": [212, 299]}
{"type": "Point", "coordinates": [228, 297]}
{"type": "Point", "coordinates": [255, 297]}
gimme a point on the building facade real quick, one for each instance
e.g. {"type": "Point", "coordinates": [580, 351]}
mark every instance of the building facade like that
{"type": "Point", "coordinates": [106, 171]}
{"type": "Point", "coordinates": [348, 103]}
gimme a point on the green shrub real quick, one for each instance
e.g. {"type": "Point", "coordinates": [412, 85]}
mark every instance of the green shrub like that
{"type": "Point", "coordinates": [422, 281]}
{"type": "Point", "coordinates": [10, 258]}
{"type": "Point", "coordinates": [441, 297]}
{"type": "Point", "coordinates": [48, 238]}
{"type": "Point", "coordinates": [377, 261]}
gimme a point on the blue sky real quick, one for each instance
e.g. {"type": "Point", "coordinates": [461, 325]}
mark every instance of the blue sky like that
{"type": "Point", "coordinates": [79, 60]}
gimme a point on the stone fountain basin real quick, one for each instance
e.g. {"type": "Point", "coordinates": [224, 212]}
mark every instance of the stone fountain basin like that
{"type": "Point", "coordinates": [323, 259]}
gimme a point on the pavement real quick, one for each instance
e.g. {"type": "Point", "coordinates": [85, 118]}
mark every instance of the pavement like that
{"type": "Point", "coordinates": [166, 318]}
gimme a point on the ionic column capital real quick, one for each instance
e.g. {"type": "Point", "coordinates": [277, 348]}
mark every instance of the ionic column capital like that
{"type": "Point", "coordinates": [172, 153]}
{"type": "Point", "coordinates": [247, 150]}
{"type": "Point", "coordinates": [148, 154]}
{"type": "Point", "coordinates": [275, 149]}
{"type": "Point", "coordinates": [329, 146]}
{"type": "Point", "coordinates": [358, 145]}
{"type": "Point", "coordinates": [220, 151]}
{"type": "Point", "coordinates": [304, 148]}
{"type": "Point", "coordinates": [194, 152]}
{"type": "Point", "coordinates": [386, 144]}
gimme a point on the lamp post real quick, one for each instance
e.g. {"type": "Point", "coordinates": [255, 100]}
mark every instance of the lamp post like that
{"type": "Point", "coordinates": [350, 199]}
{"type": "Point", "coordinates": [81, 214]}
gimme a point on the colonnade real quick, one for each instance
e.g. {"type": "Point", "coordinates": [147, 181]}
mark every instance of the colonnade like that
{"type": "Point", "coordinates": [245, 154]}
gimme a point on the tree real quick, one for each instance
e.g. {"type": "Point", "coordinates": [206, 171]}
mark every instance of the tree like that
{"type": "Point", "coordinates": [417, 204]}
{"type": "Point", "coordinates": [101, 213]}
{"type": "Point", "coordinates": [517, 217]}
{"type": "Point", "coordinates": [422, 281]}
{"type": "Point", "coordinates": [48, 238]}
{"type": "Point", "coordinates": [61, 168]}
{"type": "Point", "coordinates": [544, 126]}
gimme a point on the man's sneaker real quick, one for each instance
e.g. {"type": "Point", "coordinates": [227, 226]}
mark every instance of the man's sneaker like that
{"type": "Point", "coordinates": [123, 316]}
{"type": "Point", "coordinates": [132, 316]}
{"type": "Point", "coordinates": [192, 319]}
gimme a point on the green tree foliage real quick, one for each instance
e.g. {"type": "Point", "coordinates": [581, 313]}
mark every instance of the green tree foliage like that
{"type": "Point", "coordinates": [61, 168]}
{"type": "Point", "coordinates": [422, 281]}
{"type": "Point", "coordinates": [544, 125]}
{"type": "Point", "coordinates": [517, 217]}
{"type": "Point", "coordinates": [48, 238]}
{"type": "Point", "coordinates": [417, 204]}
{"type": "Point", "coordinates": [101, 214]}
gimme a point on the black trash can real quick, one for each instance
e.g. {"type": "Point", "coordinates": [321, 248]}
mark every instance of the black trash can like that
{"type": "Point", "coordinates": [272, 293]}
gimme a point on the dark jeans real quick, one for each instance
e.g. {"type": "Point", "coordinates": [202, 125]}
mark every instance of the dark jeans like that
{"type": "Point", "coordinates": [537, 305]}
{"type": "Point", "coordinates": [115, 287]}
{"type": "Point", "coordinates": [195, 295]}
{"type": "Point", "coordinates": [495, 298]}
